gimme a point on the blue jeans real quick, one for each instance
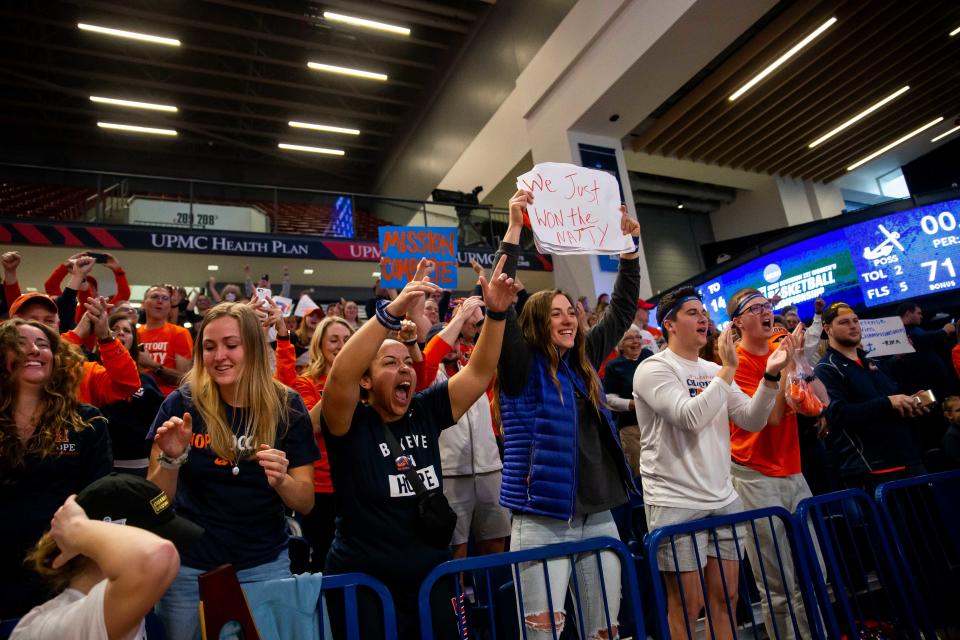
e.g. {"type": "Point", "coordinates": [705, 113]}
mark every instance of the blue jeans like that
{"type": "Point", "coordinates": [531, 531]}
{"type": "Point", "coordinates": [179, 609]}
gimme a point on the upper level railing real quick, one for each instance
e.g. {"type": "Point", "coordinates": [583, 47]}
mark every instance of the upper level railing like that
{"type": "Point", "coordinates": [129, 199]}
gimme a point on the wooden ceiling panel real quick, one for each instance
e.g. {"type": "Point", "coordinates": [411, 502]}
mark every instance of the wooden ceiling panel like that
{"type": "Point", "coordinates": [872, 50]}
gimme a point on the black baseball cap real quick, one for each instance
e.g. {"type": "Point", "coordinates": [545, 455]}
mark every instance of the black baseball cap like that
{"type": "Point", "coordinates": [128, 499]}
{"type": "Point", "coordinates": [434, 330]}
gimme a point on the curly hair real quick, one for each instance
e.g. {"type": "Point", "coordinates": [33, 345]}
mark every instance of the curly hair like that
{"type": "Point", "coordinates": [59, 408]}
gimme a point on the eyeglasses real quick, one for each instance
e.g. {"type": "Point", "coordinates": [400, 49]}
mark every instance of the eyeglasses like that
{"type": "Point", "coordinates": [759, 309]}
{"type": "Point", "coordinates": [160, 298]}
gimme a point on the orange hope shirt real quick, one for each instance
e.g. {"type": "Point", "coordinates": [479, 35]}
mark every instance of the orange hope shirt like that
{"type": "Point", "coordinates": [774, 450]}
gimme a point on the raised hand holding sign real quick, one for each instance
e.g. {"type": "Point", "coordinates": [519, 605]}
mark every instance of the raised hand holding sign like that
{"type": "Point", "coordinates": [574, 210]}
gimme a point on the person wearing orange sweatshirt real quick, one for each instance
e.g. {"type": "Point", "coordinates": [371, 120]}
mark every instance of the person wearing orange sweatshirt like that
{"type": "Point", "coordinates": [88, 289]}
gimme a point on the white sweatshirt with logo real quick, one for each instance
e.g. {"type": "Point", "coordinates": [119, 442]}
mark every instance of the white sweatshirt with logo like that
{"type": "Point", "coordinates": [684, 410]}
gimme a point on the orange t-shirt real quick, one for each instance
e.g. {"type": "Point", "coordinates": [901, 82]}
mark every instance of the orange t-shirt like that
{"type": "Point", "coordinates": [163, 345]}
{"type": "Point", "coordinates": [775, 450]}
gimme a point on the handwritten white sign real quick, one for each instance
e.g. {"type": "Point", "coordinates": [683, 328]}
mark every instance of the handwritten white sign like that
{"type": "Point", "coordinates": [575, 210]}
{"type": "Point", "coordinates": [884, 337]}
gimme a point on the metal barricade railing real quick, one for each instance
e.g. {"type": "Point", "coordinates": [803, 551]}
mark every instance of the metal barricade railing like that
{"type": "Point", "coordinates": [923, 519]}
{"type": "Point", "coordinates": [346, 585]}
{"type": "Point", "coordinates": [859, 586]}
{"type": "Point", "coordinates": [781, 577]}
{"type": "Point", "coordinates": [555, 573]}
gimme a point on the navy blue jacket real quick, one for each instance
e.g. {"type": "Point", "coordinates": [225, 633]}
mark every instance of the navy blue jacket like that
{"type": "Point", "coordinates": [540, 422]}
{"type": "Point", "coordinates": [866, 432]}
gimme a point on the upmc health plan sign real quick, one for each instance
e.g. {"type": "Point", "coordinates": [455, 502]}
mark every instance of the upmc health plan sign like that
{"type": "Point", "coordinates": [575, 210]}
{"type": "Point", "coordinates": [401, 248]}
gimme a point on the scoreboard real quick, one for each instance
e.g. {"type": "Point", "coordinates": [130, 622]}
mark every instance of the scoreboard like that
{"type": "Point", "coordinates": [886, 259]}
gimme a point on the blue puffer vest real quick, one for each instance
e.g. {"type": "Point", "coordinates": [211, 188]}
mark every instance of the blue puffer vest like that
{"type": "Point", "coordinates": [540, 427]}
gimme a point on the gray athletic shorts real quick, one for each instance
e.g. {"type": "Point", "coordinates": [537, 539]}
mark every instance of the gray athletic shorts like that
{"type": "Point", "coordinates": [476, 501]}
{"type": "Point", "coordinates": [686, 559]}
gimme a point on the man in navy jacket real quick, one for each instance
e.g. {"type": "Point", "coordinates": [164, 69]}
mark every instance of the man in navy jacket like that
{"type": "Point", "coordinates": [872, 438]}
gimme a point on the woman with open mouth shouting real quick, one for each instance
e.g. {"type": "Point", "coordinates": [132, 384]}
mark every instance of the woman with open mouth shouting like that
{"type": "Point", "coordinates": [383, 444]}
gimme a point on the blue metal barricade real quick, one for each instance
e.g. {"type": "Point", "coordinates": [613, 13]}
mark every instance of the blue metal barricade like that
{"type": "Point", "coordinates": [923, 519]}
{"type": "Point", "coordinates": [500, 606]}
{"type": "Point", "coordinates": [859, 586]}
{"type": "Point", "coordinates": [346, 585]}
{"type": "Point", "coordinates": [675, 552]}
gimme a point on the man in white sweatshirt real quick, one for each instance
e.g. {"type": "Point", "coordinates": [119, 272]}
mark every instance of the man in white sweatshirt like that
{"type": "Point", "coordinates": [684, 404]}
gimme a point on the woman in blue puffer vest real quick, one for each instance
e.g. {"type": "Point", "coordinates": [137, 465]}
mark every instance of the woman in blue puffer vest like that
{"type": "Point", "coordinates": [564, 467]}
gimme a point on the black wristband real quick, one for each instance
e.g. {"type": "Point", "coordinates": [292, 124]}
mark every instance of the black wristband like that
{"type": "Point", "coordinates": [281, 338]}
{"type": "Point", "coordinates": [495, 315]}
{"type": "Point", "coordinates": [410, 343]}
{"type": "Point", "coordinates": [770, 378]}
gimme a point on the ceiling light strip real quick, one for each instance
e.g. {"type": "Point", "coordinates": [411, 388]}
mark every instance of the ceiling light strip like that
{"type": "Point", "coordinates": [893, 144]}
{"type": "Point", "coordinates": [324, 127]}
{"type": "Point", "coordinates": [363, 22]}
{"type": "Point", "coordinates": [134, 104]}
{"type": "Point", "coordinates": [782, 59]}
{"type": "Point", "coordinates": [347, 71]}
{"type": "Point", "coordinates": [945, 133]}
{"type": "Point", "coordinates": [860, 116]}
{"type": "Point", "coordinates": [136, 128]}
{"type": "Point", "coordinates": [300, 147]}
{"type": "Point", "coordinates": [955, 32]}
{"type": "Point", "coordinates": [132, 35]}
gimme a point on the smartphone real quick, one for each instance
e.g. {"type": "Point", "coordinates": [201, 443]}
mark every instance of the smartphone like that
{"type": "Point", "coordinates": [926, 397]}
{"type": "Point", "coordinates": [99, 258]}
{"type": "Point", "coordinates": [263, 294]}
{"type": "Point", "coordinates": [375, 274]}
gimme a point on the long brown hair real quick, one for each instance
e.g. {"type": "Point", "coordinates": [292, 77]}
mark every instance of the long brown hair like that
{"type": "Point", "coordinates": [535, 325]}
{"type": "Point", "coordinates": [264, 399]}
{"type": "Point", "coordinates": [318, 364]}
{"type": "Point", "coordinates": [41, 558]}
{"type": "Point", "coordinates": [58, 402]}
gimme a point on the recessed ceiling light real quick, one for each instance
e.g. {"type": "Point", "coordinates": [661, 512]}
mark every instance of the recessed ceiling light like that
{"type": "Point", "coordinates": [363, 22]}
{"type": "Point", "coordinates": [133, 103]}
{"type": "Point", "coordinates": [794, 50]}
{"type": "Point", "coordinates": [136, 128]}
{"type": "Point", "coordinates": [896, 142]}
{"type": "Point", "coordinates": [679, 205]}
{"type": "Point", "coordinates": [945, 133]}
{"type": "Point", "coordinates": [213, 267]}
{"type": "Point", "coordinates": [860, 116]}
{"type": "Point", "coordinates": [133, 35]}
{"type": "Point", "coordinates": [300, 147]}
{"type": "Point", "coordinates": [347, 71]}
{"type": "Point", "coordinates": [308, 272]}
{"type": "Point", "coordinates": [955, 32]}
{"type": "Point", "coordinates": [324, 127]}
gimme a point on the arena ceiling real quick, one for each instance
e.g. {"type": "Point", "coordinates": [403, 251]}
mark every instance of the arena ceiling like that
{"type": "Point", "coordinates": [860, 54]}
{"type": "Point", "coordinates": [238, 78]}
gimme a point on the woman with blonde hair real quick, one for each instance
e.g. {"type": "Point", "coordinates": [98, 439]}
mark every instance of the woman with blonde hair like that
{"type": "Point", "coordinates": [233, 448]}
{"type": "Point", "coordinates": [328, 338]}
{"type": "Point", "coordinates": [50, 447]}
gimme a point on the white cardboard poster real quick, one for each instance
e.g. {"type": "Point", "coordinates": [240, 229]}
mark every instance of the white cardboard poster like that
{"type": "Point", "coordinates": [575, 210]}
{"type": "Point", "coordinates": [884, 337]}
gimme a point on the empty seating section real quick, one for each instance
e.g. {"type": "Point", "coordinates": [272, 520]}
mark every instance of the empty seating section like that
{"type": "Point", "coordinates": [59, 202]}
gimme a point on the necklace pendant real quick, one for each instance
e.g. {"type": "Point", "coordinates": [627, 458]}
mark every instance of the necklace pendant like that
{"type": "Point", "coordinates": [236, 470]}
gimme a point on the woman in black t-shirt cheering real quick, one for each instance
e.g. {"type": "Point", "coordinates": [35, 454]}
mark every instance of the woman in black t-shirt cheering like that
{"type": "Point", "coordinates": [233, 447]}
{"type": "Point", "coordinates": [370, 390]}
{"type": "Point", "coordinates": [50, 447]}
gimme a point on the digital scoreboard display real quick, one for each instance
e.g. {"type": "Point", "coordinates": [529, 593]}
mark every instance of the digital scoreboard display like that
{"type": "Point", "coordinates": [886, 259]}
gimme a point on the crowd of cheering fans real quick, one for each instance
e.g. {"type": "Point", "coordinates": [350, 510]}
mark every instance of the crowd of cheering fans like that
{"type": "Point", "coordinates": [208, 421]}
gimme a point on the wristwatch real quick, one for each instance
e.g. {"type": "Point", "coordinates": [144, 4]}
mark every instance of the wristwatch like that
{"type": "Point", "coordinates": [110, 338]}
{"type": "Point", "coordinates": [776, 378]}
{"type": "Point", "coordinates": [158, 370]}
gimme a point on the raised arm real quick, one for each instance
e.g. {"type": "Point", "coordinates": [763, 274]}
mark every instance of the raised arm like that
{"type": "Point", "coordinates": [342, 390]}
{"type": "Point", "coordinates": [753, 414]}
{"type": "Point", "coordinates": [515, 354]}
{"type": "Point", "coordinates": [139, 565]}
{"type": "Point", "coordinates": [605, 335]}
{"type": "Point", "coordinates": [466, 387]}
